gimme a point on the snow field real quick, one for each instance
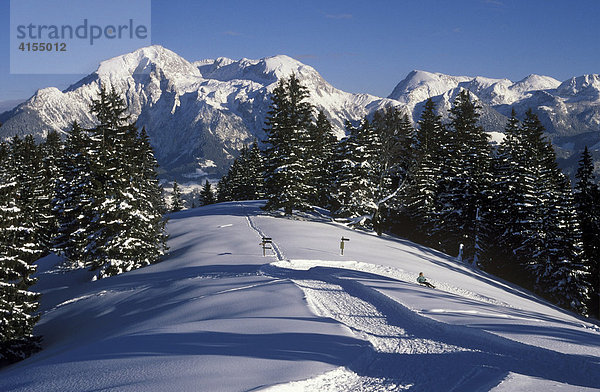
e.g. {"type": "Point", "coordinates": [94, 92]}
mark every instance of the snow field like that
{"type": "Point", "coordinates": [217, 316]}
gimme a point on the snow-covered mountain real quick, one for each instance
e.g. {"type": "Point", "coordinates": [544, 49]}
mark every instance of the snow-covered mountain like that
{"type": "Point", "coordinates": [198, 114]}
{"type": "Point", "coordinates": [570, 110]}
{"type": "Point", "coordinates": [217, 316]}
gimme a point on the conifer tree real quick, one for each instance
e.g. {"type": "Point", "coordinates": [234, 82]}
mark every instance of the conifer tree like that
{"type": "Point", "coordinates": [587, 206]}
{"type": "Point", "coordinates": [356, 177]}
{"type": "Point", "coordinates": [19, 248]}
{"type": "Point", "coordinates": [176, 200]}
{"type": "Point", "coordinates": [563, 276]}
{"type": "Point", "coordinates": [465, 182]}
{"type": "Point", "coordinates": [224, 187]}
{"type": "Point", "coordinates": [247, 176]}
{"type": "Point", "coordinates": [321, 148]}
{"type": "Point", "coordinates": [538, 236]}
{"type": "Point", "coordinates": [510, 190]}
{"type": "Point", "coordinates": [394, 157]}
{"type": "Point", "coordinates": [127, 230]}
{"type": "Point", "coordinates": [51, 153]}
{"type": "Point", "coordinates": [75, 190]}
{"type": "Point", "coordinates": [143, 240]}
{"type": "Point", "coordinates": [207, 195]}
{"type": "Point", "coordinates": [109, 156]}
{"type": "Point", "coordinates": [255, 173]}
{"type": "Point", "coordinates": [419, 196]}
{"type": "Point", "coordinates": [287, 128]}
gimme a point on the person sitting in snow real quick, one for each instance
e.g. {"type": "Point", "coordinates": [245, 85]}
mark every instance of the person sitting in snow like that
{"type": "Point", "coordinates": [423, 280]}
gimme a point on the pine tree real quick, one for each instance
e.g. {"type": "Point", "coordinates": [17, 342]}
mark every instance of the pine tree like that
{"type": "Point", "coordinates": [207, 195]}
{"type": "Point", "coordinates": [538, 237]}
{"type": "Point", "coordinates": [18, 250]}
{"type": "Point", "coordinates": [587, 206]}
{"type": "Point", "coordinates": [176, 200]}
{"type": "Point", "coordinates": [255, 173]}
{"type": "Point", "coordinates": [75, 190]}
{"type": "Point", "coordinates": [247, 174]}
{"type": "Point", "coordinates": [51, 153]}
{"type": "Point", "coordinates": [419, 196]}
{"type": "Point", "coordinates": [127, 229]}
{"type": "Point", "coordinates": [464, 189]}
{"type": "Point", "coordinates": [356, 177]}
{"type": "Point", "coordinates": [224, 188]}
{"type": "Point", "coordinates": [509, 205]}
{"type": "Point", "coordinates": [396, 138]}
{"type": "Point", "coordinates": [109, 157]}
{"type": "Point", "coordinates": [143, 242]}
{"type": "Point", "coordinates": [287, 128]}
{"type": "Point", "coordinates": [321, 147]}
{"type": "Point", "coordinates": [564, 277]}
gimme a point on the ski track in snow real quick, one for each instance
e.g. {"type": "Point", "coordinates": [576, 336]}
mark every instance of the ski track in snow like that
{"type": "Point", "coordinates": [409, 349]}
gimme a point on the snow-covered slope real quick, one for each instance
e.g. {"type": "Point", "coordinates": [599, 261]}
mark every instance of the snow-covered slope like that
{"type": "Point", "coordinates": [217, 316]}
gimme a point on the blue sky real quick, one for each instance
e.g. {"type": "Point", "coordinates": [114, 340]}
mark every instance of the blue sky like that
{"type": "Point", "coordinates": [368, 46]}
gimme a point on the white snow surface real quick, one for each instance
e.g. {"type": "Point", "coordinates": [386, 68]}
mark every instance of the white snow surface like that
{"type": "Point", "coordinates": [217, 316]}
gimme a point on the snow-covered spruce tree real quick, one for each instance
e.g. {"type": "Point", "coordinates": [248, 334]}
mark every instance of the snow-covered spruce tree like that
{"type": "Point", "coordinates": [18, 250]}
{"type": "Point", "coordinates": [25, 161]}
{"type": "Point", "coordinates": [587, 206]}
{"type": "Point", "coordinates": [236, 180]}
{"type": "Point", "coordinates": [75, 190]}
{"type": "Point", "coordinates": [127, 230]}
{"type": "Point", "coordinates": [356, 176]}
{"type": "Point", "coordinates": [144, 242]}
{"type": "Point", "coordinates": [510, 204]}
{"type": "Point", "coordinates": [176, 200]}
{"type": "Point", "coordinates": [464, 188]}
{"type": "Point", "coordinates": [207, 196]}
{"type": "Point", "coordinates": [254, 164]}
{"type": "Point", "coordinates": [394, 157]}
{"type": "Point", "coordinates": [564, 278]}
{"type": "Point", "coordinates": [539, 246]}
{"type": "Point", "coordinates": [224, 187]}
{"type": "Point", "coordinates": [419, 196]}
{"type": "Point", "coordinates": [245, 178]}
{"type": "Point", "coordinates": [541, 199]}
{"type": "Point", "coordinates": [287, 153]}
{"type": "Point", "coordinates": [108, 155]}
{"type": "Point", "coordinates": [322, 143]}
{"type": "Point", "coordinates": [51, 151]}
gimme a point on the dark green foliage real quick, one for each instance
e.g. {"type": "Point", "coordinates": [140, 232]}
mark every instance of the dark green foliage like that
{"type": "Point", "coordinates": [321, 147]}
{"type": "Point", "coordinates": [109, 201]}
{"type": "Point", "coordinates": [288, 142]}
{"type": "Point", "coordinates": [20, 246]}
{"type": "Point", "coordinates": [394, 158]}
{"type": "Point", "coordinates": [465, 180]}
{"type": "Point", "coordinates": [354, 195]}
{"type": "Point", "coordinates": [176, 200]}
{"type": "Point", "coordinates": [537, 236]}
{"type": "Point", "coordinates": [587, 206]}
{"type": "Point", "coordinates": [207, 196]}
{"type": "Point", "coordinates": [74, 196]}
{"type": "Point", "coordinates": [245, 178]}
{"type": "Point", "coordinates": [51, 151]}
{"type": "Point", "coordinates": [420, 193]}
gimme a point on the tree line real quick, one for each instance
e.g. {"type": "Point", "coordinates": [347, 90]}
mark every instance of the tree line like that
{"type": "Point", "coordinates": [508, 209]}
{"type": "Point", "coordinates": [94, 198]}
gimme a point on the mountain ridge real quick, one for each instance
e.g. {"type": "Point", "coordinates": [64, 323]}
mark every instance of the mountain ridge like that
{"type": "Point", "coordinates": [205, 111]}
